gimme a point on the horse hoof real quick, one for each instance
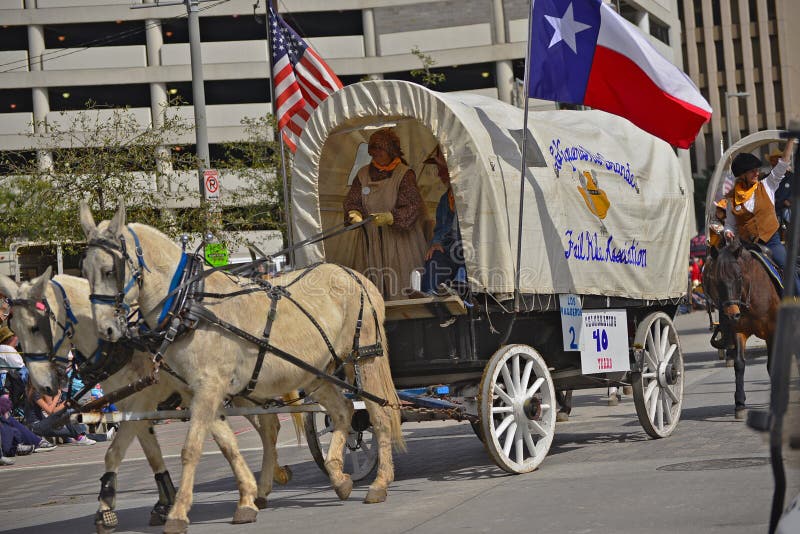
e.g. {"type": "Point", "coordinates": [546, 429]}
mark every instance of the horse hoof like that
{"type": "Point", "coordinates": [283, 475]}
{"type": "Point", "coordinates": [158, 515]}
{"type": "Point", "coordinates": [176, 526]}
{"type": "Point", "coordinates": [343, 490]}
{"type": "Point", "coordinates": [741, 413]}
{"type": "Point", "coordinates": [562, 417]}
{"type": "Point", "coordinates": [245, 514]}
{"type": "Point", "coordinates": [261, 502]}
{"type": "Point", "coordinates": [729, 362]}
{"type": "Point", "coordinates": [613, 400]}
{"type": "Point", "coordinates": [105, 521]}
{"type": "Point", "coordinates": [627, 390]}
{"type": "Point", "coordinates": [375, 495]}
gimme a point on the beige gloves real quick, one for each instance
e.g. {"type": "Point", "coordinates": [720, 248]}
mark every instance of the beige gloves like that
{"type": "Point", "coordinates": [354, 216]}
{"type": "Point", "coordinates": [383, 218]}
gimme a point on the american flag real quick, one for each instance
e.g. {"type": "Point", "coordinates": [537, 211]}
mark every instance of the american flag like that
{"type": "Point", "coordinates": [300, 77]}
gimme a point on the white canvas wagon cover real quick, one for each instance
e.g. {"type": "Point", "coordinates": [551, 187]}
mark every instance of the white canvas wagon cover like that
{"type": "Point", "coordinates": [625, 235]}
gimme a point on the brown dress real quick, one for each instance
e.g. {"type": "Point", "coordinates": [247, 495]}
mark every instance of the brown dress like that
{"type": "Point", "coordinates": [387, 255]}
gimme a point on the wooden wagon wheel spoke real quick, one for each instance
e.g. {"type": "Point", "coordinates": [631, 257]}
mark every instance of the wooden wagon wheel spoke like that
{"type": "Point", "coordinates": [515, 405]}
{"type": "Point", "coordinates": [535, 387]}
{"type": "Point", "coordinates": [509, 382]}
{"type": "Point", "coordinates": [658, 388]}
{"type": "Point", "coordinates": [503, 395]}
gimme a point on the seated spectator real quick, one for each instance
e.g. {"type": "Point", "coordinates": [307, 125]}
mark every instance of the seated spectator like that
{"type": "Point", "coordinates": [444, 260]}
{"type": "Point", "coordinates": [39, 406]}
{"type": "Point", "coordinates": [16, 439]}
{"type": "Point", "coordinates": [9, 356]}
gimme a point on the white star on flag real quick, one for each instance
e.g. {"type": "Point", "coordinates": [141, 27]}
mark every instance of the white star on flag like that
{"type": "Point", "coordinates": [566, 28]}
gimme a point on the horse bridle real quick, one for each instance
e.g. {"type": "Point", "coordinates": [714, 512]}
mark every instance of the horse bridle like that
{"type": "Point", "coordinates": [120, 256]}
{"type": "Point", "coordinates": [44, 316]}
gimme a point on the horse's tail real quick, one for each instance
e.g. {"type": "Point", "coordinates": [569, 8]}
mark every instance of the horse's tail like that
{"type": "Point", "coordinates": [381, 363]}
{"type": "Point", "coordinates": [384, 371]}
{"type": "Point", "coordinates": [297, 417]}
{"type": "Point", "coordinates": [390, 394]}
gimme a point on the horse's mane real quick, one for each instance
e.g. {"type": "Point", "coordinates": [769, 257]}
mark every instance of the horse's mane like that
{"type": "Point", "coordinates": [728, 264]}
{"type": "Point", "coordinates": [158, 256]}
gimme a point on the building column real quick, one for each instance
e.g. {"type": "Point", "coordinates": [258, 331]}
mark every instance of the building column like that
{"type": "Point", "coordinates": [504, 70]}
{"type": "Point", "coordinates": [371, 43]}
{"type": "Point", "coordinates": [41, 101]}
{"type": "Point", "coordinates": [159, 101]}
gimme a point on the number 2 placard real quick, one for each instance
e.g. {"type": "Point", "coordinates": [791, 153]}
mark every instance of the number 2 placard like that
{"type": "Point", "coordinates": [604, 341]}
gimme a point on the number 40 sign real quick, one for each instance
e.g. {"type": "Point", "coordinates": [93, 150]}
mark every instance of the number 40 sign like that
{"type": "Point", "coordinates": [604, 341]}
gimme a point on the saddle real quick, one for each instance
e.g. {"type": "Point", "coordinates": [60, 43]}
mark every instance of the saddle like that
{"type": "Point", "coordinates": [764, 257]}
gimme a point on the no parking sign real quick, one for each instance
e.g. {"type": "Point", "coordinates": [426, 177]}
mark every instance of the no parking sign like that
{"type": "Point", "coordinates": [212, 184]}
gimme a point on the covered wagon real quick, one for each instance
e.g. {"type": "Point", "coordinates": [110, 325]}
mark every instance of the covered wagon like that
{"type": "Point", "coordinates": [582, 298]}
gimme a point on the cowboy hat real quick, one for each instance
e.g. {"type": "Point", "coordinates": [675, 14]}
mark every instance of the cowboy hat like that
{"type": "Point", "coordinates": [744, 162]}
{"type": "Point", "coordinates": [776, 153]}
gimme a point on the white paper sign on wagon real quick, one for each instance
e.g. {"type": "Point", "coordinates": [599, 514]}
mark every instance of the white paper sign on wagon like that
{"type": "Point", "coordinates": [571, 322]}
{"type": "Point", "coordinates": [604, 341]}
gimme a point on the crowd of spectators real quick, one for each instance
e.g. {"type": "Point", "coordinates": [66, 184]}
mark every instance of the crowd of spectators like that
{"type": "Point", "coordinates": [23, 410]}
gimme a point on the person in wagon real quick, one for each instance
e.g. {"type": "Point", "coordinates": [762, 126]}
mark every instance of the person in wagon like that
{"type": "Point", "coordinates": [394, 244]}
{"type": "Point", "coordinates": [751, 202]}
{"type": "Point", "coordinates": [444, 260]}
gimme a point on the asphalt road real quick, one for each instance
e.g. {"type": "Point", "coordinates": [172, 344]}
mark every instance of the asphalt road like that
{"type": "Point", "coordinates": [603, 474]}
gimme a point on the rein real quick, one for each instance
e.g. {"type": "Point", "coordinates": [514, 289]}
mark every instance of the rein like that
{"type": "Point", "coordinates": [181, 310]}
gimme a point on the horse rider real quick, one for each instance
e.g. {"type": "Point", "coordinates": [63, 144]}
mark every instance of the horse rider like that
{"type": "Point", "coordinates": [751, 203]}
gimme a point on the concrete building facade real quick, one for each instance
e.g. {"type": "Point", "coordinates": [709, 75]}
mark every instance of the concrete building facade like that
{"type": "Point", "coordinates": [57, 54]}
{"type": "Point", "coordinates": [739, 53]}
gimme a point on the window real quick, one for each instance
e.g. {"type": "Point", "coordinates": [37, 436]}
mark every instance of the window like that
{"type": "Point", "coordinates": [119, 96]}
{"type": "Point", "coordinates": [231, 28]}
{"type": "Point", "coordinates": [333, 23]}
{"type": "Point", "coordinates": [659, 30]}
{"type": "Point", "coordinates": [15, 100]}
{"type": "Point", "coordinates": [13, 38]}
{"type": "Point", "coordinates": [14, 162]}
{"type": "Point", "coordinates": [119, 33]}
{"type": "Point", "coordinates": [720, 56]}
{"type": "Point", "coordinates": [756, 44]}
{"type": "Point", "coordinates": [223, 91]}
{"type": "Point", "coordinates": [629, 12]}
{"type": "Point", "coordinates": [457, 78]}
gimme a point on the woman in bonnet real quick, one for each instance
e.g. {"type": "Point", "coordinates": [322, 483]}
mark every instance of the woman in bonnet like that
{"type": "Point", "coordinates": [393, 244]}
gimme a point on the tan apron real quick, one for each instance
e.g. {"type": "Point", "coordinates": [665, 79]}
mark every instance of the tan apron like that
{"type": "Point", "coordinates": [389, 254]}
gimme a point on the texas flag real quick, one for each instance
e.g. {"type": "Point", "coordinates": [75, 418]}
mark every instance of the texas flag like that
{"type": "Point", "coordinates": [584, 52]}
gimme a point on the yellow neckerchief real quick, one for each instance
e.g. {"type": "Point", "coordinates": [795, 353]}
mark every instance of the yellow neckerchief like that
{"type": "Point", "coordinates": [742, 195]}
{"type": "Point", "coordinates": [386, 168]}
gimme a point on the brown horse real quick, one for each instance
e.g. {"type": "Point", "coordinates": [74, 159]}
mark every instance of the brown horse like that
{"type": "Point", "coordinates": [744, 293]}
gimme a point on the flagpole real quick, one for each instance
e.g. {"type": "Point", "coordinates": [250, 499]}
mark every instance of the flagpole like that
{"type": "Point", "coordinates": [523, 167]}
{"type": "Point", "coordinates": [286, 205]}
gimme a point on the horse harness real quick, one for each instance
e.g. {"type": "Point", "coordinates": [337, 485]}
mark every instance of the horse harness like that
{"type": "Point", "coordinates": [183, 308]}
{"type": "Point", "coordinates": [107, 359]}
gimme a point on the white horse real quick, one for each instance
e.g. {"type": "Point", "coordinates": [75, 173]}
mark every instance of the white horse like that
{"type": "Point", "coordinates": [48, 338]}
{"type": "Point", "coordinates": [218, 362]}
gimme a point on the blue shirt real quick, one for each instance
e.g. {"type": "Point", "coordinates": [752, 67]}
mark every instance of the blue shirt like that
{"type": "Point", "coordinates": [446, 231]}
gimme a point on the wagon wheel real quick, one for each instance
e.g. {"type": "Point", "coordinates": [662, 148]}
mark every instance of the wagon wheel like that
{"type": "Point", "coordinates": [517, 406]}
{"type": "Point", "coordinates": [658, 389]}
{"type": "Point", "coordinates": [360, 451]}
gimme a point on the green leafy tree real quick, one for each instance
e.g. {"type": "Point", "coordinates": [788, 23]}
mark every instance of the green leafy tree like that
{"type": "Point", "coordinates": [257, 202]}
{"type": "Point", "coordinates": [104, 155]}
{"type": "Point", "coordinates": [427, 77]}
